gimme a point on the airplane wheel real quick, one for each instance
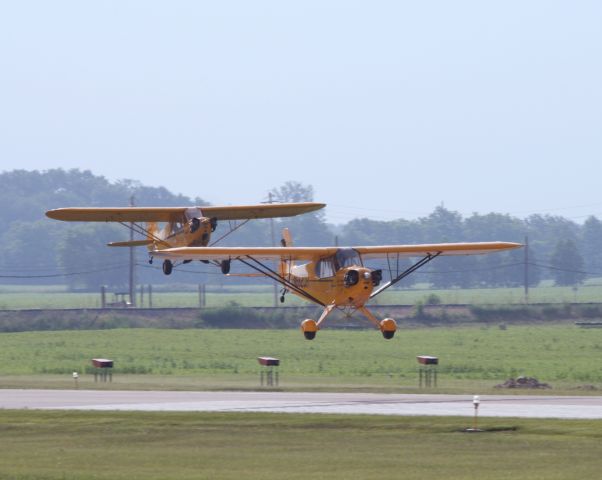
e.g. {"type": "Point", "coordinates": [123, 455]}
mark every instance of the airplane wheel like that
{"type": "Point", "coordinates": [388, 335]}
{"type": "Point", "coordinates": [167, 267]}
{"type": "Point", "coordinates": [388, 327]}
{"type": "Point", "coordinates": [309, 328]}
{"type": "Point", "coordinates": [225, 267]}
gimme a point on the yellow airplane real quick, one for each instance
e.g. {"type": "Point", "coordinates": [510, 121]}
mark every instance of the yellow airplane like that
{"type": "Point", "coordinates": [184, 226]}
{"type": "Point", "coordinates": [334, 277]}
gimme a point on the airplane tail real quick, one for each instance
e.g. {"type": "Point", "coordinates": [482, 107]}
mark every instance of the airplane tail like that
{"type": "Point", "coordinates": [152, 231]}
{"type": "Point", "coordinates": [286, 241]}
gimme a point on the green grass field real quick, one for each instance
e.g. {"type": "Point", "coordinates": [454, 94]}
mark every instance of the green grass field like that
{"type": "Point", "coordinates": [470, 357]}
{"type": "Point", "coordinates": [14, 297]}
{"type": "Point", "coordinates": [112, 445]}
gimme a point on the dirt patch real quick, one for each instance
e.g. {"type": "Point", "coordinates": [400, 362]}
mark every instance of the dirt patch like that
{"type": "Point", "coordinates": [523, 382]}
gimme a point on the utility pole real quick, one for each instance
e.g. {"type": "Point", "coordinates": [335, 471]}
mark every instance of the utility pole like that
{"type": "Point", "coordinates": [270, 200]}
{"type": "Point", "coordinates": [526, 272]}
{"type": "Point", "coordinates": [132, 279]}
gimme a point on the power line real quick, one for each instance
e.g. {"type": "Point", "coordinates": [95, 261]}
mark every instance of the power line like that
{"type": "Point", "coordinates": [70, 274]}
{"type": "Point", "coordinates": [495, 267]}
{"type": "Point", "coordinates": [551, 267]}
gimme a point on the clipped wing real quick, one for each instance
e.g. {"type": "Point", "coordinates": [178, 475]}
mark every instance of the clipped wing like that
{"type": "Point", "coordinates": [422, 250]}
{"type": "Point", "coordinates": [260, 253]}
{"type": "Point", "coordinates": [170, 214]}
{"type": "Point", "coordinates": [269, 210]}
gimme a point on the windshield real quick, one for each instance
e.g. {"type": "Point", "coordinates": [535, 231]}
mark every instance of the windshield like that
{"type": "Point", "coordinates": [346, 257]}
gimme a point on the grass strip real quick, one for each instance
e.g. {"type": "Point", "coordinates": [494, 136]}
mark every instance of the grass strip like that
{"type": "Point", "coordinates": [116, 445]}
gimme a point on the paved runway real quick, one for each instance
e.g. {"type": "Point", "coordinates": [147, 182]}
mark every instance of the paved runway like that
{"type": "Point", "coordinates": [302, 402]}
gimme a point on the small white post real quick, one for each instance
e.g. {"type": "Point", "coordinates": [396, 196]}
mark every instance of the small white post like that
{"type": "Point", "coordinates": [476, 400]}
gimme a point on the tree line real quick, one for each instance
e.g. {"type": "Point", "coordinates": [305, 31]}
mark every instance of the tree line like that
{"type": "Point", "coordinates": [37, 250]}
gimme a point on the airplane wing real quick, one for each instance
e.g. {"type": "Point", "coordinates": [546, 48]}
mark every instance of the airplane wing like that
{"type": "Point", "coordinates": [422, 250]}
{"type": "Point", "coordinates": [312, 253]}
{"type": "Point", "coordinates": [168, 214]}
{"type": "Point", "coordinates": [259, 253]}
{"type": "Point", "coordinates": [265, 210]}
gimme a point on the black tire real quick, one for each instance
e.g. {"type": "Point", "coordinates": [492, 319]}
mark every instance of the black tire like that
{"type": "Point", "coordinates": [225, 267]}
{"type": "Point", "coordinates": [309, 335]}
{"type": "Point", "coordinates": [167, 267]}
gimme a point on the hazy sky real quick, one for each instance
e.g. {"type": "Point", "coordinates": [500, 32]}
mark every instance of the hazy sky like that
{"type": "Point", "coordinates": [386, 108]}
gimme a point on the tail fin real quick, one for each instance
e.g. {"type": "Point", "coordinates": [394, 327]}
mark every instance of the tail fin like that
{"type": "Point", "coordinates": [152, 232]}
{"type": "Point", "coordinates": [286, 241]}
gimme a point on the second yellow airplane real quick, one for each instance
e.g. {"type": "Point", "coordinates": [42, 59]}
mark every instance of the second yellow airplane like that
{"type": "Point", "coordinates": [182, 226]}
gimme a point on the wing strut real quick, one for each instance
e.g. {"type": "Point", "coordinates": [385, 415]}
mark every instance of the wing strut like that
{"type": "Point", "coordinates": [406, 272]}
{"type": "Point", "coordinates": [268, 272]}
{"type": "Point", "coordinates": [232, 230]}
{"type": "Point", "coordinates": [143, 231]}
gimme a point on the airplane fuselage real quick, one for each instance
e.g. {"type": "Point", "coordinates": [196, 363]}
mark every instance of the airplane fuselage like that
{"type": "Point", "coordinates": [348, 286]}
{"type": "Point", "coordinates": [192, 233]}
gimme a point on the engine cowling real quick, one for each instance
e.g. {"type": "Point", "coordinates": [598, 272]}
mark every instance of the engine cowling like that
{"type": "Point", "coordinates": [195, 223]}
{"type": "Point", "coordinates": [377, 276]}
{"type": "Point", "coordinates": [351, 278]}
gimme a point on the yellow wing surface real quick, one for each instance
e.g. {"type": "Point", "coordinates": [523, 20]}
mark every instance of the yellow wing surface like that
{"type": "Point", "coordinates": [313, 253]}
{"type": "Point", "coordinates": [171, 214]}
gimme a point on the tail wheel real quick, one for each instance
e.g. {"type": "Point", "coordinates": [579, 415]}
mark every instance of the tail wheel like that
{"type": "Point", "coordinates": [309, 328]}
{"type": "Point", "coordinates": [167, 267]}
{"type": "Point", "coordinates": [388, 327]}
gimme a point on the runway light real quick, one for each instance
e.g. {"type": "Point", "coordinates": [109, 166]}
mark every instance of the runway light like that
{"type": "Point", "coordinates": [476, 401]}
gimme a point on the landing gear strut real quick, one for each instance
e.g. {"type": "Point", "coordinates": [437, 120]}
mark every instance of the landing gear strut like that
{"type": "Point", "coordinates": [167, 267]}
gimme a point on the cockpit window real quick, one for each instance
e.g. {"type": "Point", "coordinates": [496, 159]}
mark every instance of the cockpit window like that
{"type": "Point", "coordinates": [346, 257]}
{"type": "Point", "coordinates": [325, 268]}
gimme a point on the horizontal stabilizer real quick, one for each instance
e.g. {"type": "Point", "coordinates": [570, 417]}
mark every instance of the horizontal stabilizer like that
{"type": "Point", "coordinates": [135, 243]}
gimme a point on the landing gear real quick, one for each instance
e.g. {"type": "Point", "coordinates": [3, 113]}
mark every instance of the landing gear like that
{"type": "Point", "coordinates": [225, 266]}
{"type": "Point", "coordinates": [167, 267]}
{"type": "Point", "coordinates": [309, 328]}
{"type": "Point", "coordinates": [388, 327]}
